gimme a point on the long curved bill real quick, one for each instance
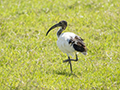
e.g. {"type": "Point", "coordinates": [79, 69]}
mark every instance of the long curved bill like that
{"type": "Point", "coordinates": [54, 26]}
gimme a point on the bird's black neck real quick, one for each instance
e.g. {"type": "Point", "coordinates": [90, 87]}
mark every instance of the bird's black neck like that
{"type": "Point", "coordinates": [59, 32]}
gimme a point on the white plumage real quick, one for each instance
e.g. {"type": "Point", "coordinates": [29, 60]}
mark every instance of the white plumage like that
{"type": "Point", "coordinates": [69, 42]}
{"type": "Point", "coordinates": [63, 43]}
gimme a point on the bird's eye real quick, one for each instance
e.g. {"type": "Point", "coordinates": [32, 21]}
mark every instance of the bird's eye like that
{"type": "Point", "coordinates": [60, 22]}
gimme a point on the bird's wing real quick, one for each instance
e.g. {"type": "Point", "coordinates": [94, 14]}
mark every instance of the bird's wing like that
{"type": "Point", "coordinates": [78, 44]}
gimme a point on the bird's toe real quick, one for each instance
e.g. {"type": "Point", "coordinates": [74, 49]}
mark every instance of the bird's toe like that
{"type": "Point", "coordinates": [66, 60]}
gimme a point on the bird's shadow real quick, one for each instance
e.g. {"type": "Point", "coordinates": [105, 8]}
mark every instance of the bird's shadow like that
{"type": "Point", "coordinates": [64, 73]}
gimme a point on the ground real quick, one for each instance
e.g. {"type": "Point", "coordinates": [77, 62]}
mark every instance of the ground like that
{"type": "Point", "coordinates": [30, 60]}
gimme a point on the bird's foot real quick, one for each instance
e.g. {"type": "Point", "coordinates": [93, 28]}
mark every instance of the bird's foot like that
{"type": "Point", "coordinates": [70, 60]}
{"type": "Point", "coordinates": [66, 60]}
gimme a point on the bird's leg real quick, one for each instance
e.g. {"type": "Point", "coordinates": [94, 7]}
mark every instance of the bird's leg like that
{"type": "Point", "coordinates": [70, 65]}
{"type": "Point", "coordinates": [71, 59]}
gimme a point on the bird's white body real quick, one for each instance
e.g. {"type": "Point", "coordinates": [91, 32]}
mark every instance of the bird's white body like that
{"type": "Point", "coordinates": [63, 43]}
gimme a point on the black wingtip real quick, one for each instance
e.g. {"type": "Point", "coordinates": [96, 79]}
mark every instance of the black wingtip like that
{"type": "Point", "coordinates": [79, 48]}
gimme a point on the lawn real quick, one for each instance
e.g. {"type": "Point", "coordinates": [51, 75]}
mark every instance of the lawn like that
{"type": "Point", "coordinates": [30, 60]}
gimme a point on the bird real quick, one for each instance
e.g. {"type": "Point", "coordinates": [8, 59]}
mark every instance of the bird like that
{"type": "Point", "coordinates": [69, 42]}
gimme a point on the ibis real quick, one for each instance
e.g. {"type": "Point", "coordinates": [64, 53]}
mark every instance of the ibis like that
{"type": "Point", "coordinates": [69, 42]}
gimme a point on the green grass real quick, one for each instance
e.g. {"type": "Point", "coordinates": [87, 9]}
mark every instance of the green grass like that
{"type": "Point", "coordinates": [31, 61]}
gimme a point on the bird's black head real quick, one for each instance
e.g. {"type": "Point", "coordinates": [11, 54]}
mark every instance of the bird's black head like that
{"type": "Point", "coordinates": [62, 24]}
